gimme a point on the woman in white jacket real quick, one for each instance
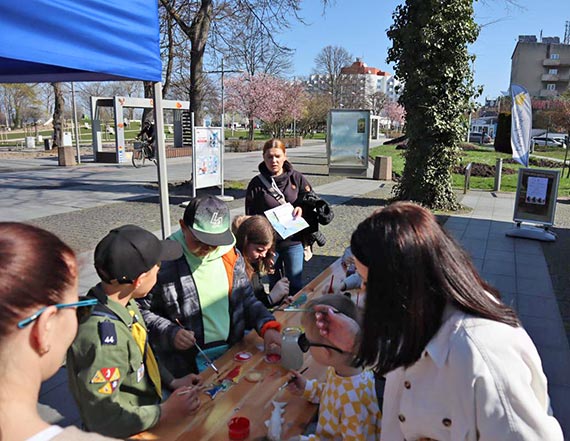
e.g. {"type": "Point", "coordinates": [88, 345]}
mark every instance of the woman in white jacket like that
{"type": "Point", "coordinates": [457, 362]}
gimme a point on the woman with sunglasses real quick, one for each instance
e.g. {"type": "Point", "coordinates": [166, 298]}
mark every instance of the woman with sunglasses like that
{"type": "Point", "coordinates": [348, 405]}
{"type": "Point", "coordinates": [457, 361]}
{"type": "Point", "coordinates": [38, 293]}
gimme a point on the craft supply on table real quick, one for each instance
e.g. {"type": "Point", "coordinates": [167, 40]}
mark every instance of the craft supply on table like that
{"type": "Point", "coordinates": [272, 358]}
{"type": "Point", "coordinates": [254, 376]}
{"type": "Point", "coordinates": [242, 356]}
{"type": "Point", "coordinates": [238, 428]}
{"type": "Point", "coordinates": [210, 362]}
{"type": "Point", "coordinates": [288, 382]}
{"type": "Point", "coordinates": [291, 354]}
{"type": "Point", "coordinates": [275, 422]}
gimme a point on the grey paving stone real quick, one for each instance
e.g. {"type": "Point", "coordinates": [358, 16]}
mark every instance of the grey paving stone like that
{"type": "Point", "coordinates": [539, 286]}
{"type": "Point", "coordinates": [545, 333]}
{"type": "Point", "coordinates": [535, 306]}
{"type": "Point", "coordinates": [500, 267]}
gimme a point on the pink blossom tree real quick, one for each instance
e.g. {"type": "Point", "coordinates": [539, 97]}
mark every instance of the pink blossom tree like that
{"type": "Point", "coordinates": [274, 100]}
{"type": "Point", "coordinates": [395, 113]}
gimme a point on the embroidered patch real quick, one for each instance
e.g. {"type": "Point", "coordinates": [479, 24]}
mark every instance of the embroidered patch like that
{"type": "Point", "coordinates": [110, 377]}
{"type": "Point", "coordinates": [107, 333]}
{"type": "Point", "coordinates": [293, 186]}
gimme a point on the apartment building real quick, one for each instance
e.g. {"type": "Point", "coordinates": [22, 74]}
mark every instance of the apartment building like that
{"type": "Point", "coordinates": [542, 67]}
{"type": "Point", "coordinates": [357, 85]}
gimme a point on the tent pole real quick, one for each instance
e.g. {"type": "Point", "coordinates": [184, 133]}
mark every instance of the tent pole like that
{"type": "Point", "coordinates": [161, 158]}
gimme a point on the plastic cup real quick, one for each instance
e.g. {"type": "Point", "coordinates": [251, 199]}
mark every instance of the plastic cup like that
{"type": "Point", "coordinates": [238, 428]}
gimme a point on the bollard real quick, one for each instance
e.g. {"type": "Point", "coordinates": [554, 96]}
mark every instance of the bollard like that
{"type": "Point", "coordinates": [498, 172]}
{"type": "Point", "coordinates": [382, 168]}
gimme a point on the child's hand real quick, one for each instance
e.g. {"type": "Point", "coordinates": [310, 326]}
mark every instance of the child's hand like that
{"type": "Point", "coordinates": [296, 383]}
{"type": "Point", "coordinates": [186, 381]}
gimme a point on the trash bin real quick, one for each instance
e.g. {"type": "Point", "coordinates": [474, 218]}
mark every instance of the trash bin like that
{"type": "Point", "coordinates": [382, 168]}
{"type": "Point", "coordinates": [47, 144]}
{"type": "Point", "coordinates": [30, 142]}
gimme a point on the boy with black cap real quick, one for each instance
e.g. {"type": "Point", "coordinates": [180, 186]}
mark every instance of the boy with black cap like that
{"type": "Point", "coordinates": [113, 373]}
{"type": "Point", "coordinates": [205, 296]}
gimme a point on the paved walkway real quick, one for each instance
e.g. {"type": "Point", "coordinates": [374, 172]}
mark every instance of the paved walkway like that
{"type": "Point", "coordinates": [515, 266]}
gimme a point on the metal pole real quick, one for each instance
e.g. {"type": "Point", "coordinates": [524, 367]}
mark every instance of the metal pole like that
{"type": "Point", "coordinates": [223, 145]}
{"type": "Point", "coordinates": [75, 123]}
{"type": "Point", "coordinates": [161, 158]}
{"type": "Point", "coordinates": [498, 172]}
{"type": "Point", "coordinates": [194, 156]}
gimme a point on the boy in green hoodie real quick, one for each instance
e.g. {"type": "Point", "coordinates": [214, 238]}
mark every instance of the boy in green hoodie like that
{"type": "Point", "coordinates": [205, 296]}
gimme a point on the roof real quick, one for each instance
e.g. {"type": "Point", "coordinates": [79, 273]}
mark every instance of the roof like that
{"type": "Point", "coordinates": [67, 40]}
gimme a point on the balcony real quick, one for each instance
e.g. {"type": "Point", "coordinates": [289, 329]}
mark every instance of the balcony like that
{"type": "Point", "coordinates": [551, 78]}
{"type": "Point", "coordinates": [550, 63]}
{"type": "Point", "coordinates": [544, 93]}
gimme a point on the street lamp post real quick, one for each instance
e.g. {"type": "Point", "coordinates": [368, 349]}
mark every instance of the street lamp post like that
{"type": "Point", "coordinates": [222, 71]}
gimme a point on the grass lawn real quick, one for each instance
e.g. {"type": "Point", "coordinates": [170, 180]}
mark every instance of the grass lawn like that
{"type": "Point", "coordinates": [484, 155]}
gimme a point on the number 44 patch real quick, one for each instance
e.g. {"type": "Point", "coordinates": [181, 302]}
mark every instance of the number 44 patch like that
{"type": "Point", "coordinates": [107, 333]}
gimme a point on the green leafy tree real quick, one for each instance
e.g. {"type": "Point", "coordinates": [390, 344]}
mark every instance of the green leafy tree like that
{"type": "Point", "coordinates": [429, 49]}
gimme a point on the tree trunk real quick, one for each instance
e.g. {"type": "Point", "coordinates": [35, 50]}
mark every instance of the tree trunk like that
{"type": "Point", "coordinates": [251, 130]}
{"type": "Point", "coordinates": [199, 31]}
{"type": "Point", "coordinates": [58, 119]}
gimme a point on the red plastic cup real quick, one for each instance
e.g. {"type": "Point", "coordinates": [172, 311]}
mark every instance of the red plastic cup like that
{"type": "Point", "coordinates": [238, 428]}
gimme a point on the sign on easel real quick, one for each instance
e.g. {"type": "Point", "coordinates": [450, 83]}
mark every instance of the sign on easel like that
{"type": "Point", "coordinates": [535, 203]}
{"type": "Point", "coordinates": [206, 157]}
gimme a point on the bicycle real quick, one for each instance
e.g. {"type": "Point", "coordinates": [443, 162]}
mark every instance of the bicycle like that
{"type": "Point", "coordinates": [142, 151]}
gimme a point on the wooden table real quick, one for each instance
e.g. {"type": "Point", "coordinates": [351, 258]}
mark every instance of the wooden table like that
{"type": "Point", "coordinates": [252, 399]}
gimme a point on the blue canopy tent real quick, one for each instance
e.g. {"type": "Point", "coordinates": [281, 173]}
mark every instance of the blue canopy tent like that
{"type": "Point", "coordinates": [93, 40]}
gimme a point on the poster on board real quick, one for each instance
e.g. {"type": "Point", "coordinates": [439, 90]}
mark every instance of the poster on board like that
{"type": "Point", "coordinates": [348, 141]}
{"type": "Point", "coordinates": [537, 191]}
{"type": "Point", "coordinates": [206, 157]}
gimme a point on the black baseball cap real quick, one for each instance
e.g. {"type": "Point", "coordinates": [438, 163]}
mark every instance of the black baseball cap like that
{"type": "Point", "coordinates": [208, 218]}
{"type": "Point", "coordinates": [128, 251]}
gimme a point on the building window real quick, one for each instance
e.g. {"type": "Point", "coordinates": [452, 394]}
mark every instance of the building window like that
{"type": "Point", "coordinates": [551, 86]}
{"type": "Point", "coordinates": [555, 56]}
{"type": "Point", "coordinates": [553, 71]}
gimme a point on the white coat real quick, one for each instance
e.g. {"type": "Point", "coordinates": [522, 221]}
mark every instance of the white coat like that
{"type": "Point", "coordinates": [477, 379]}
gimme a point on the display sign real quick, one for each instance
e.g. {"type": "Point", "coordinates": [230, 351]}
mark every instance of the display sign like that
{"type": "Point", "coordinates": [348, 141]}
{"type": "Point", "coordinates": [537, 191]}
{"type": "Point", "coordinates": [206, 156]}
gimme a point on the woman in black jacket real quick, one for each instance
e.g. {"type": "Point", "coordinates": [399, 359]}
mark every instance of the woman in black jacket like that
{"type": "Point", "coordinates": [255, 239]}
{"type": "Point", "coordinates": [278, 182]}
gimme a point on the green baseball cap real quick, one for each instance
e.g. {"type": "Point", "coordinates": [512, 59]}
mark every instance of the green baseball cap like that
{"type": "Point", "coordinates": [208, 218]}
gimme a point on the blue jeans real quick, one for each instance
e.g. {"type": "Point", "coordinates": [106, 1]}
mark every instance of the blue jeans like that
{"type": "Point", "coordinates": [289, 261]}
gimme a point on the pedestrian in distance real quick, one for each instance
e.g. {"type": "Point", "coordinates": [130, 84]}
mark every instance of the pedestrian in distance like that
{"type": "Point", "coordinates": [457, 361]}
{"type": "Point", "coordinates": [279, 183]}
{"type": "Point", "coordinates": [255, 238]}
{"type": "Point", "coordinates": [113, 373]}
{"type": "Point", "coordinates": [38, 293]}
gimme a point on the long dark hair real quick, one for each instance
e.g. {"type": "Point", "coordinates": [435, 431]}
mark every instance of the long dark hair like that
{"type": "Point", "coordinates": [36, 269]}
{"type": "Point", "coordinates": [254, 229]}
{"type": "Point", "coordinates": [414, 269]}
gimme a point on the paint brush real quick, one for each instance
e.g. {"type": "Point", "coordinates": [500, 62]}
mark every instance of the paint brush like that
{"type": "Point", "coordinates": [331, 290]}
{"type": "Point", "coordinates": [191, 388]}
{"type": "Point", "coordinates": [210, 362]}
{"type": "Point", "coordinates": [288, 382]}
{"type": "Point", "coordinates": [305, 310]}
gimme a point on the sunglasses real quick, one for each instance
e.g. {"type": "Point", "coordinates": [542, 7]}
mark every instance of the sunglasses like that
{"type": "Point", "coordinates": [83, 307]}
{"type": "Point", "coordinates": [305, 344]}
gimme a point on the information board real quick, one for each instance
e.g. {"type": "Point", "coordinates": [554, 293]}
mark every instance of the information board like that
{"type": "Point", "coordinates": [348, 141]}
{"type": "Point", "coordinates": [537, 191]}
{"type": "Point", "coordinates": [206, 157]}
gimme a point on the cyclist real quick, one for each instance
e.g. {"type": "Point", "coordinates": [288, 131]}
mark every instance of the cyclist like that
{"type": "Point", "coordinates": [147, 134]}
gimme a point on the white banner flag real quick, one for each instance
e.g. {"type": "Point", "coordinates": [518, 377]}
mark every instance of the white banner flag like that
{"type": "Point", "coordinates": [521, 124]}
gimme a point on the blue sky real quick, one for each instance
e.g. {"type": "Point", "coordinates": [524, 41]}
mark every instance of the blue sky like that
{"type": "Point", "coordinates": [360, 27]}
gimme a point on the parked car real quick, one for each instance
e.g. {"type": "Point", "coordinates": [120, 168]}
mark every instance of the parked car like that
{"type": "Point", "coordinates": [481, 138]}
{"type": "Point", "coordinates": [548, 141]}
